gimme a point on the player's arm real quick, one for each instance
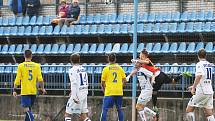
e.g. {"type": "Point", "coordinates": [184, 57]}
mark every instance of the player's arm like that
{"type": "Point", "coordinates": [40, 80]}
{"type": "Point", "coordinates": [124, 80]}
{"type": "Point", "coordinates": [103, 79]}
{"type": "Point", "coordinates": [198, 77]}
{"type": "Point", "coordinates": [17, 80]}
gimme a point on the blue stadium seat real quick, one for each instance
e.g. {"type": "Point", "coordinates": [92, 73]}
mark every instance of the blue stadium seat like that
{"type": "Point", "coordinates": [159, 17]}
{"type": "Point", "coordinates": [131, 30]}
{"type": "Point", "coordinates": [209, 47]}
{"type": "Point", "coordinates": [90, 19]}
{"type": "Point", "coordinates": [182, 47]}
{"type": "Point", "coordinates": [2, 68]}
{"type": "Point", "coordinates": [77, 48]}
{"type": "Point", "coordinates": [149, 47]}
{"type": "Point", "coordinates": [4, 49]}
{"type": "Point", "coordinates": [63, 30]}
{"type": "Point", "coordinates": [12, 21]}
{"type": "Point", "coordinates": [116, 29]}
{"type": "Point", "coordinates": [127, 18]}
{"type": "Point", "coordinates": [93, 29]}
{"type": "Point", "coordinates": [157, 48]}
{"type": "Point", "coordinates": [60, 68]}
{"type": "Point", "coordinates": [131, 48]}
{"type": "Point", "coordinates": [201, 16]}
{"type": "Point", "coordinates": [192, 69]}
{"type": "Point", "coordinates": [143, 17]}
{"type": "Point", "coordinates": [98, 69]}
{"type": "Point", "coordinates": [52, 68]}
{"type": "Point", "coordinates": [173, 27]}
{"type": "Point", "coordinates": [191, 47]}
{"type": "Point", "coordinates": [213, 26]}
{"type": "Point", "coordinates": [199, 46]}
{"type": "Point", "coordinates": [189, 27]}
{"type": "Point", "coordinates": [112, 18]}
{"type": "Point", "coordinates": [85, 48]}
{"type": "Point", "coordinates": [45, 69]}
{"type": "Point", "coordinates": [19, 20]}
{"type": "Point", "coordinates": [198, 27]}
{"type": "Point", "coordinates": [120, 18]}
{"type": "Point", "coordinates": [40, 49]}
{"type": "Point", "coordinates": [156, 28]}
{"type": "Point", "coordinates": [93, 48]}
{"type": "Point", "coordinates": [82, 19]}
{"type": "Point", "coordinates": [35, 30]}
{"type": "Point", "coordinates": [1, 31]}
{"type": "Point", "coordinates": [6, 31]}
{"type": "Point", "coordinates": [108, 29]}
{"type": "Point", "coordinates": [166, 68]}
{"type": "Point", "coordinates": [173, 47]}
{"type": "Point", "coordinates": [11, 49]}
{"type": "Point", "coordinates": [148, 28]}
{"type": "Point", "coordinates": [100, 48]}
{"type": "Point", "coordinates": [207, 27]}
{"type": "Point", "coordinates": [164, 27]}
{"type": "Point", "coordinates": [19, 49]}
{"type": "Point", "coordinates": [140, 47]}
{"type": "Point", "coordinates": [9, 68]}
{"type": "Point", "coordinates": [27, 31]}
{"type": "Point", "coordinates": [1, 21]}
{"type": "Point", "coordinates": [54, 49]}
{"type": "Point", "coordinates": [25, 20]}
{"type": "Point", "coordinates": [192, 16]}
{"type": "Point", "coordinates": [42, 30]}
{"type": "Point", "coordinates": [124, 29]}
{"type": "Point", "coordinates": [181, 27]}
{"type": "Point", "coordinates": [46, 20]}
{"type": "Point", "coordinates": [49, 30]}
{"type": "Point", "coordinates": [184, 16]}
{"type": "Point", "coordinates": [33, 20]}
{"type": "Point", "coordinates": [151, 17]}
{"type": "Point", "coordinates": [140, 28]}
{"type": "Point", "coordinates": [62, 49]}
{"type": "Point", "coordinates": [129, 69]}
{"type": "Point", "coordinates": [182, 68]}
{"type": "Point", "coordinates": [104, 19]}
{"type": "Point", "coordinates": [175, 16]}
{"type": "Point", "coordinates": [33, 48]}
{"type": "Point", "coordinates": [124, 48]}
{"type": "Point", "coordinates": [165, 48]}
{"type": "Point", "coordinates": [116, 48]}
{"type": "Point", "coordinates": [56, 30]}
{"type": "Point", "coordinates": [108, 48]}
{"type": "Point", "coordinates": [174, 69]}
{"type": "Point", "coordinates": [5, 21]}
{"type": "Point", "coordinates": [209, 15]}
{"type": "Point", "coordinates": [166, 16]}
{"type": "Point", "coordinates": [13, 31]}
{"type": "Point", "coordinates": [97, 18]}
{"type": "Point", "coordinates": [101, 28]}
{"type": "Point", "coordinates": [86, 30]}
{"type": "Point", "coordinates": [69, 48]}
{"type": "Point", "coordinates": [39, 20]}
{"type": "Point", "coordinates": [124, 67]}
{"type": "Point", "coordinates": [70, 30]}
{"type": "Point", "coordinates": [47, 49]}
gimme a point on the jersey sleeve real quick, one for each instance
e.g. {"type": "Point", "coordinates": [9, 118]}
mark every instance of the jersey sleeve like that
{"type": "Point", "coordinates": [199, 69]}
{"type": "Point", "coordinates": [104, 74]}
{"type": "Point", "coordinates": [122, 72]}
{"type": "Point", "coordinates": [146, 72]}
{"type": "Point", "coordinates": [40, 77]}
{"type": "Point", "coordinates": [18, 75]}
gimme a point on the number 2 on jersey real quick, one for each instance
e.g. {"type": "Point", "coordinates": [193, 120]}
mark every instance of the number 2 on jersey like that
{"type": "Point", "coordinates": [115, 76]}
{"type": "Point", "coordinates": [30, 76]}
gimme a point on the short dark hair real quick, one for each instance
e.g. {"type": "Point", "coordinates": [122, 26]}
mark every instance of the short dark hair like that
{"type": "Point", "coordinates": [202, 53]}
{"type": "Point", "coordinates": [145, 52]}
{"type": "Point", "coordinates": [112, 57]}
{"type": "Point", "coordinates": [75, 58]}
{"type": "Point", "coordinates": [28, 54]}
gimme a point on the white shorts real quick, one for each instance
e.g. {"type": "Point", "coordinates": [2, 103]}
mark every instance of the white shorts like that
{"type": "Point", "coordinates": [144, 97]}
{"type": "Point", "coordinates": [201, 101]}
{"type": "Point", "coordinates": [74, 108]}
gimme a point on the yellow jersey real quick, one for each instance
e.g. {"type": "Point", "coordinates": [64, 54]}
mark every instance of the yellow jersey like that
{"type": "Point", "coordinates": [112, 75]}
{"type": "Point", "coordinates": [28, 73]}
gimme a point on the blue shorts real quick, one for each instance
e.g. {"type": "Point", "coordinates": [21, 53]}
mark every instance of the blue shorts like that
{"type": "Point", "coordinates": [109, 102]}
{"type": "Point", "coordinates": [27, 100]}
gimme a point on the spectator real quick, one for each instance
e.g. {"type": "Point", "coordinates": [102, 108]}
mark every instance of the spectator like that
{"type": "Point", "coordinates": [32, 7]}
{"type": "Point", "coordinates": [18, 7]}
{"type": "Point", "coordinates": [72, 14]}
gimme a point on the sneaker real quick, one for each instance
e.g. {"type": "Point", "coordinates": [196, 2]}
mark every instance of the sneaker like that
{"type": "Point", "coordinates": [186, 74]}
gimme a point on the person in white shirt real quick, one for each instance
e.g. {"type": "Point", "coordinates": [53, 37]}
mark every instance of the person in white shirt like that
{"type": "Point", "coordinates": [201, 90]}
{"type": "Point", "coordinates": [77, 103]}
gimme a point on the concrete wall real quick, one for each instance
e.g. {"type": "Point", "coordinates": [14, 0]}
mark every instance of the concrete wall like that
{"type": "Point", "coordinates": [47, 107]}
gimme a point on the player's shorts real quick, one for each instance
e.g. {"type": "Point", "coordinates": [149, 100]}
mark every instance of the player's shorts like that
{"type": "Point", "coordinates": [201, 101]}
{"type": "Point", "coordinates": [27, 100]}
{"type": "Point", "coordinates": [161, 79]}
{"type": "Point", "coordinates": [110, 101]}
{"type": "Point", "coordinates": [144, 97]}
{"type": "Point", "coordinates": [74, 108]}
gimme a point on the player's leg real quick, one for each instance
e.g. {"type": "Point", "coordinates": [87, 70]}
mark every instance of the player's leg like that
{"type": "Point", "coordinates": [118, 103]}
{"type": "Point", "coordinates": [208, 108]}
{"type": "Point", "coordinates": [107, 103]}
{"type": "Point", "coordinates": [26, 104]}
{"type": "Point", "coordinates": [70, 106]}
{"type": "Point", "coordinates": [84, 110]}
{"type": "Point", "coordinates": [140, 109]}
{"type": "Point", "coordinates": [190, 116]}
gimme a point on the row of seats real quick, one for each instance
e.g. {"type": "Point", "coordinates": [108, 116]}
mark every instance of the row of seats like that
{"type": "Point", "coordinates": [107, 29]}
{"type": "Point", "coordinates": [125, 48]}
{"type": "Point", "coordinates": [174, 68]}
{"type": "Point", "coordinates": [114, 18]}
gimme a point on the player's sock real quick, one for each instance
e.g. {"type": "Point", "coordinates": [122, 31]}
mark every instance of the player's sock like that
{"type": "Point", "coordinates": [154, 99]}
{"type": "Point", "coordinates": [68, 119]}
{"type": "Point", "coordinates": [142, 115]}
{"type": "Point", "coordinates": [29, 116]}
{"type": "Point", "coordinates": [190, 116]}
{"type": "Point", "coordinates": [87, 119]}
{"type": "Point", "coordinates": [149, 111]}
{"type": "Point", "coordinates": [120, 115]}
{"type": "Point", "coordinates": [211, 118]}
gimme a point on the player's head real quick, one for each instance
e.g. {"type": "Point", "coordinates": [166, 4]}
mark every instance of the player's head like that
{"type": "Point", "coordinates": [75, 58]}
{"type": "Point", "coordinates": [28, 54]}
{"type": "Point", "coordinates": [202, 54]}
{"type": "Point", "coordinates": [111, 58]}
{"type": "Point", "coordinates": [144, 54]}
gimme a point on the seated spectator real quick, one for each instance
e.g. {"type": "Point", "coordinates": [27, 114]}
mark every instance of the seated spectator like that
{"type": "Point", "coordinates": [33, 7]}
{"type": "Point", "coordinates": [18, 7]}
{"type": "Point", "coordinates": [62, 13]}
{"type": "Point", "coordinates": [72, 14]}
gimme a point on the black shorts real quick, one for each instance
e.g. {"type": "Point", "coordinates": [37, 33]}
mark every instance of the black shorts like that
{"type": "Point", "coordinates": [161, 79]}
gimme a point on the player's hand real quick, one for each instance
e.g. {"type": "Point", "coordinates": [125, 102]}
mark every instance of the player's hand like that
{"type": "Point", "coordinates": [128, 78]}
{"type": "Point", "coordinates": [14, 94]}
{"type": "Point", "coordinates": [193, 91]}
{"type": "Point", "coordinates": [43, 91]}
{"type": "Point", "coordinates": [76, 101]}
{"type": "Point", "coordinates": [134, 60]}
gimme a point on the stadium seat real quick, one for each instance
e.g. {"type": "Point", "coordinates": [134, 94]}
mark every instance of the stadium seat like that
{"type": "Point", "coordinates": [209, 47]}
{"type": "Point", "coordinates": [90, 19]}
{"type": "Point", "coordinates": [166, 68]}
{"type": "Point", "coordinates": [189, 27]}
{"type": "Point", "coordinates": [192, 16]}
{"type": "Point", "coordinates": [85, 48]}
{"type": "Point", "coordinates": [212, 26]}
{"type": "Point", "coordinates": [101, 28]}
{"type": "Point", "coordinates": [116, 29]}
{"type": "Point", "coordinates": [131, 48]}
{"type": "Point", "coordinates": [19, 20]}
{"type": "Point", "coordinates": [175, 16]}
{"type": "Point", "coordinates": [13, 31]}
{"type": "Point", "coordinates": [166, 16]}
{"type": "Point", "coordinates": [120, 18]}
{"type": "Point", "coordinates": [69, 49]}
{"type": "Point", "coordinates": [140, 28]}
{"type": "Point", "coordinates": [173, 47]}
{"type": "Point", "coordinates": [6, 31]}
{"type": "Point", "coordinates": [33, 48]}
{"type": "Point", "coordinates": [56, 30]}
{"type": "Point", "coordinates": [201, 16]}
{"type": "Point", "coordinates": [45, 68]}
{"type": "Point", "coordinates": [77, 48]}
{"type": "Point", "coordinates": [192, 68]}
{"type": "Point", "coordinates": [198, 27]}
{"type": "Point", "coordinates": [182, 47]}
{"type": "Point", "coordinates": [52, 68]}
{"type": "Point", "coordinates": [8, 69]}
{"type": "Point", "coordinates": [159, 17]}
{"type": "Point", "coordinates": [60, 68]}
{"type": "Point", "coordinates": [78, 29]}
{"type": "Point", "coordinates": [181, 27]}
{"type": "Point", "coordinates": [27, 31]}
{"type": "Point", "coordinates": [148, 28]}
{"type": "Point", "coordinates": [124, 48]}
{"type": "Point", "coordinates": [12, 21]}
{"type": "Point", "coordinates": [127, 18]}
{"type": "Point", "coordinates": [164, 27]}
{"type": "Point", "coordinates": [46, 20]}
{"type": "Point", "coordinates": [93, 29]}
{"type": "Point", "coordinates": [209, 15]}
{"type": "Point", "coordinates": [151, 17]}
{"type": "Point", "coordinates": [174, 68]}
{"type": "Point", "coordinates": [49, 30]}
{"type": "Point", "coordinates": [1, 21]}
{"type": "Point", "coordinates": [100, 48]}
{"type": "Point", "coordinates": [62, 49]}
{"type": "Point", "coordinates": [149, 47]}
{"type": "Point", "coordinates": [182, 68]}
{"type": "Point", "coordinates": [54, 49]}
{"type": "Point", "coordinates": [104, 19]}
{"type": "Point", "coordinates": [93, 48]}
{"type": "Point", "coordinates": [47, 49]}
{"type": "Point", "coordinates": [40, 49]}
{"type": "Point", "coordinates": [25, 20]}
{"type": "Point", "coordinates": [4, 49]}
{"type": "Point", "coordinates": [35, 30]}
{"type": "Point", "coordinates": [173, 27]}
{"type": "Point", "coordinates": [124, 67]}
{"type": "Point", "coordinates": [19, 49]}
{"type": "Point", "coordinates": [98, 69]}
{"type": "Point", "coordinates": [108, 29]}
{"type": "Point", "coordinates": [207, 27]}
{"type": "Point", "coordinates": [42, 30]}
{"type": "Point", "coordinates": [1, 31]}
{"type": "Point", "coordinates": [70, 30]}
{"type": "Point", "coordinates": [140, 47]}
{"type": "Point", "coordinates": [11, 49]}
{"type": "Point", "coordinates": [116, 48]}
{"type": "Point", "coordinates": [112, 18]}
{"type": "Point", "coordinates": [143, 17]}
{"type": "Point", "coordinates": [156, 28]}
{"type": "Point", "coordinates": [39, 21]}
{"type": "Point", "coordinates": [86, 30]}
{"type": "Point", "coordinates": [199, 46]}
{"type": "Point", "coordinates": [63, 30]}
{"type": "Point", "coordinates": [108, 48]}
{"type": "Point", "coordinates": [184, 16]}
{"type": "Point", "coordinates": [165, 48]}
{"type": "Point", "coordinates": [82, 19]}
{"type": "Point", "coordinates": [2, 68]}
{"type": "Point", "coordinates": [5, 21]}
{"type": "Point", "coordinates": [97, 18]}
{"type": "Point", "coordinates": [157, 48]}
{"type": "Point", "coordinates": [191, 47]}
{"type": "Point", "coordinates": [33, 20]}
{"type": "Point", "coordinates": [124, 29]}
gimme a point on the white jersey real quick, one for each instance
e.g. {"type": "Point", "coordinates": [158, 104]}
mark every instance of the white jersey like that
{"type": "Point", "coordinates": [204, 68]}
{"type": "Point", "coordinates": [144, 78]}
{"type": "Point", "coordinates": [79, 82]}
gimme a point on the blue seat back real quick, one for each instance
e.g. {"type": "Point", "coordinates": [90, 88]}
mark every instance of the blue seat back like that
{"type": "Point", "coordinates": [209, 47]}
{"type": "Point", "coordinates": [182, 47]}
{"type": "Point", "coordinates": [157, 48]}
{"type": "Point", "coordinates": [100, 48]}
{"type": "Point", "coordinates": [70, 48]}
{"type": "Point", "coordinates": [33, 48]}
{"type": "Point", "coordinates": [33, 20]}
{"type": "Point", "coordinates": [108, 48]}
{"type": "Point", "coordinates": [21, 30]}
{"type": "Point", "coordinates": [140, 47]}
{"type": "Point", "coordinates": [40, 48]}
{"type": "Point", "coordinates": [12, 21]}
{"type": "Point", "coordinates": [62, 48]}
{"type": "Point", "coordinates": [191, 47]}
{"type": "Point", "coordinates": [39, 20]}
{"type": "Point", "coordinates": [93, 48]}
{"type": "Point", "coordinates": [199, 45]}
{"type": "Point", "coordinates": [19, 49]}
{"type": "Point", "coordinates": [124, 48]}
{"type": "Point", "coordinates": [85, 48]}
{"type": "Point", "coordinates": [47, 48]}
{"type": "Point", "coordinates": [54, 48]}
{"type": "Point", "coordinates": [25, 20]}
{"type": "Point", "coordinates": [173, 47]}
{"type": "Point", "coordinates": [77, 48]}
